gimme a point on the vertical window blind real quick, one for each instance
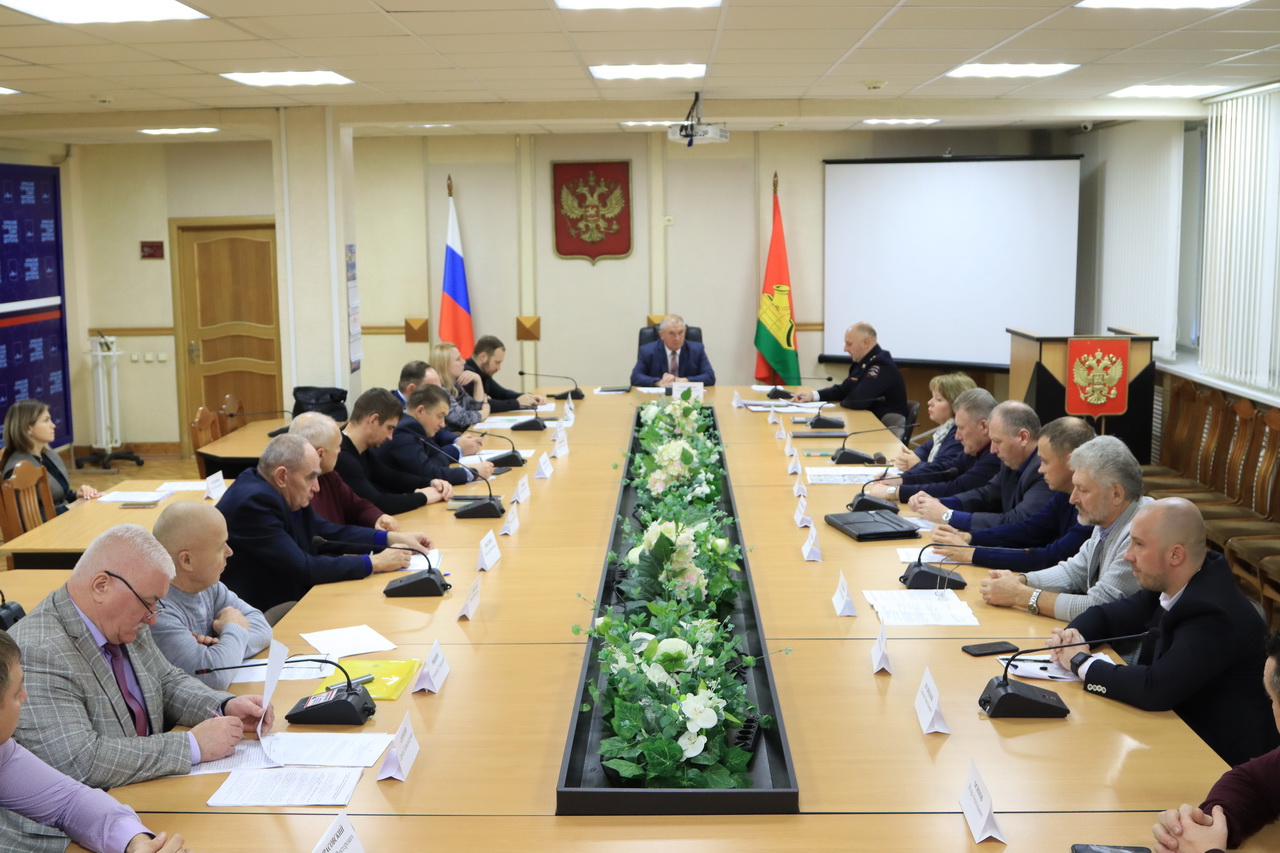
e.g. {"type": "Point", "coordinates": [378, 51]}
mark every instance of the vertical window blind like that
{"type": "Point", "coordinates": [1240, 311]}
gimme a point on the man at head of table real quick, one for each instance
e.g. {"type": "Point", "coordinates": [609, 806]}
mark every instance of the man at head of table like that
{"type": "Point", "coordinates": [101, 696]}
{"type": "Point", "coordinates": [671, 358]}
{"type": "Point", "coordinates": [874, 382]}
{"type": "Point", "coordinates": [272, 530]}
{"type": "Point", "coordinates": [1202, 656]}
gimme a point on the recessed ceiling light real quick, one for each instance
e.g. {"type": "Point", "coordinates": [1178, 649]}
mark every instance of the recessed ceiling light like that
{"type": "Point", "coordinates": [288, 78]}
{"type": "Point", "coordinates": [1166, 91]}
{"type": "Point", "coordinates": [4, 91]}
{"type": "Point", "coordinates": [901, 120]}
{"type": "Point", "coordinates": [637, 4]}
{"type": "Point", "coordinates": [103, 12]}
{"type": "Point", "coordinates": [1160, 4]}
{"type": "Point", "coordinates": [431, 125]}
{"type": "Point", "coordinates": [647, 72]}
{"type": "Point", "coordinates": [649, 123]}
{"type": "Point", "coordinates": [1008, 69]}
{"type": "Point", "coordinates": [167, 131]}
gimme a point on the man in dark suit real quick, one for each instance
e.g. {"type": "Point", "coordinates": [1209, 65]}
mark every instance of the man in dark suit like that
{"type": "Point", "coordinates": [270, 526]}
{"type": "Point", "coordinates": [671, 358]}
{"type": "Point", "coordinates": [1204, 655]}
{"type": "Point", "coordinates": [373, 419]}
{"type": "Point", "coordinates": [874, 382]}
{"type": "Point", "coordinates": [486, 360]}
{"type": "Point", "coordinates": [1015, 493]}
{"type": "Point", "coordinates": [413, 455]}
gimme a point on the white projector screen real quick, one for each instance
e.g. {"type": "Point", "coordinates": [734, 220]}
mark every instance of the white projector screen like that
{"type": "Point", "coordinates": [941, 256]}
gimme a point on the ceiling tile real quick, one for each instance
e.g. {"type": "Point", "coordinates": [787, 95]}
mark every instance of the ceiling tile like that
{"type": "Point", "coordinates": [550, 95]}
{"type": "Point", "coordinates": [1215, 40]}
{"type": "Point", "coordinates": [802, 16]}
{"type": "Point", "coordinates": [870, 72]}
{"type": "Point", "coordinates": [360, 64]}
{"type": "Point", "coordinates": [794, 69]}
{"type": "Point", "coordinates": [186, 50]}
{"type": "Point", "coordinates": [1162, 20]}
{"type": "Point", "coordinates": [82, 53]}
{"type": "Point", "coordinates": [140, 33]}
{"type": "Point", "coordinates": [228, 66]}
{"type": "Point", "coordinates": [941, 39]}
{"type": "Point", "coordinates": [250, 99]}
{"type": "Point", "coordinates": [384, 76]}
{"type": "Point", "coordinates": [117, 69]}
{"type": "Point", "coordinates": [452, 5]}
{"type": "Point", "coordinates": [1073, 56]}
{"type": "Point", "coordinates": [608, 20]}
{"type": "Point", "coordinates": [1086, 39]}
{"type": "Point", "coordinates": [173, 81]}
{"type": "Point", "coordinates": [1252, 20]}
{"type": "Point", "coordinates": [419, 87]}
{"type": "Point", "coordinates": [1187, 57]}
{"type": "Point", "coordinates": [355, 46]}
{"type": "Point", "coordinates": [517, 59]}
{"type": "Point", "coordinates": [952, 58]}
{"type": "Point", "coordinates": [255, 8]}
{"type": "Point", "coordinates": [645, 57]}
{"type": "Point", "coordinates": [26, 72]}
{"type": "Point", "coordinates": [551, 72]}
{"type": "Point", "coordinates": [319, 26]}
{"type": "Point", "coordinates": [479, 23]}
{"type": "Point", "coordinates": [967, 19]}
{"type": "Point", "coordinates": [44, 34]}
{"type": "Point", "coordinates": [651, 40]}
{"type": "Point", "coordinates": [826, 55]}
{"type": "Point", "coordinates": [796, 39]}
{"type": "Point", "coordinates": [498, 43]}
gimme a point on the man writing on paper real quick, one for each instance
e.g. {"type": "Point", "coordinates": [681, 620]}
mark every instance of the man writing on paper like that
{"type": "Point", "coordinates": [874, 381]}
{"type": "Point", "coordinates": [671, 358]}
{"type": "Point", "coordinates": [203, 623]}
{"type": "Point", "coordinates": [34, 790]}
{"type": "Point", "coordinates": [373, 419]}
{"type": "Point", "coordinates": [412, 450]}
{"type": "Point", "coordinates": [1049, 537]}
{"type": "Point", "coordinates": [271, 525]}
{"type": "Point", "coordinates": [1203, 657]}
{"type": "Point", "coordinates": [975, 466]}
{"type": "Point", "coordinates": [1017, 492]}
{"type": "Point", "coordinates": [486, 360]}
{"type": "Point", "coordinates": [102, 697]}
{"type": "Point", "coordinates": [1243, 801]}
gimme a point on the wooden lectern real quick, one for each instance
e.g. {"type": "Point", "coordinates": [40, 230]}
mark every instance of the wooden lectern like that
{"type": "Point", "coordinates": [1040, 376]}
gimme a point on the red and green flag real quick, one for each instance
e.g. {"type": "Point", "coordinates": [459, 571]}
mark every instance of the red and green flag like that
{"type": "Point", "coordinates": [776, 359]}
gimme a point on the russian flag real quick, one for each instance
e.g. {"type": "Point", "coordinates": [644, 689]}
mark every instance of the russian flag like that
{"type": "Point", "coordinates": [455, 305]}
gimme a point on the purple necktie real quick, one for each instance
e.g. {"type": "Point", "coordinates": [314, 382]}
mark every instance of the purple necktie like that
{"type": "Point", "coordinates": [136, 710]}
{"type": "Point", "coordinates": [675, 365]}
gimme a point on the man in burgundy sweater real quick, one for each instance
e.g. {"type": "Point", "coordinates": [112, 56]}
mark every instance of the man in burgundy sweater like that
{"type": "Point", "coordinates": [1244, 800]}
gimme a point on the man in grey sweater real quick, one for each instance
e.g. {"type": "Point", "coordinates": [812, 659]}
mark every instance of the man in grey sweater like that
{"type": "Point", "coordinates": [1107, 492]}
{"type": "Point", "coordinates": [203, 623]}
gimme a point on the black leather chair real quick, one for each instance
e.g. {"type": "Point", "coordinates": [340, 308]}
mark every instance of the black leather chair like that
{"type": "Point", "coordinates": [649, 334]}
{"type": "Point", "coordinates": [903, 427]}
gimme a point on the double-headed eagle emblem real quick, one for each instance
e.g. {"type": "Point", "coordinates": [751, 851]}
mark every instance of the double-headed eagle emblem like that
{"type": "Point", "coordinates": [1096, 377]}
{"type": "Point", "coordinates": [590, 219]}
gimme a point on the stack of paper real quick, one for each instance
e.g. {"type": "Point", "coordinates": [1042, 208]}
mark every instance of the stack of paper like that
{"type": "Point", "coordinates": [920, 607]}
{"type": "Point", "coordinates": [835, 475]}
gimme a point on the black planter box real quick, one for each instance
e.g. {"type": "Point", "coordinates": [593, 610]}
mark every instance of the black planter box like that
{"type": "Point", "coordinates": [584, 789]}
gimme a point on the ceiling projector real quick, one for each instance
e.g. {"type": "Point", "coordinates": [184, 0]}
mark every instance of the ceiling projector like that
{"type": "Point", "coordinates": [691, 132]}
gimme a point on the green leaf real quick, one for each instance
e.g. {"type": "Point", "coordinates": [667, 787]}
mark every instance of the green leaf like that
{"type": "Point", "coordinates": [626, 769]}
{"type": "Point", "coordinates": [736, 759]}
{"type": "Point", "coordinates": [575, 629]}
{"type": "Point", "coordinates": [687, 457]}
{"type": "Point", "coordinates": [628, 718]}
{"type": "Point", "coordinates": [716, 776]}
{"type": "Point", "coordinates": [586, 706]}
{"type": "Point", "coordinates": [662, 756]}
{"type": "Point", "coordinates": [686, 394]}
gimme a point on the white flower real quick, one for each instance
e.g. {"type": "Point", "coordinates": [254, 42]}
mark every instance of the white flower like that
{"type": "Point", "coordinates": [691, 744]}
{"type": "Point", "coordinates": [721, 545]}
{"type": "Point", "coordinates": [677, 646]}
{"type": "Point", "coordinates": [621, 662]}
{"type": "Point", "coordinates": [699, 711]}
{"type": "Point", "coordinates": [639, 639]}
{"type": "Point", "coordinates": [656, 674]}
{"type": "Point", "coordinates": [633, 556]}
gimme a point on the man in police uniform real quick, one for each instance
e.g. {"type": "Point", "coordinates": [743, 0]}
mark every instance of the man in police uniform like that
{"type": "Point", "coordinates": [874, 382]}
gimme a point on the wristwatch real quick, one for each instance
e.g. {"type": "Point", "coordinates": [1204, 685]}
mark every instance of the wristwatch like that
{"type": "Point", "coordinates": [1032, 606]}
{"type": "Point", "coordinates": [891, 491]}
{"type": "Point", "coordinates": [946, 516]}
{"type": "Point", "coordinates": [1078, 661]}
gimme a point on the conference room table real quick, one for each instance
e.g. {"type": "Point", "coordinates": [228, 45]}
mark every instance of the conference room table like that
{"type": "Point", "coordinates": [493, 737]}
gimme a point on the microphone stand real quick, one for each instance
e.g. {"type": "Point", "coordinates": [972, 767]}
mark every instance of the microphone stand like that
{"type": "Point", "coordinates": [576, 393]}
{"type": "Point", "coordinates": [777, 392]}
{"type": "Point", "coordinates": [512, 458]}
{"type": "Point", "coordinates": [426, 583]}
{"type": "Point", "coordinates": [349, 705]}
{"type": "Point", "coordinates": [1005, 698]}
{"type": "Point", "coordinates": [820, 421]}
{"type": "Point", "coordinates": [921, 575]}
{"type": "Point", "coordinates": [847, 456]}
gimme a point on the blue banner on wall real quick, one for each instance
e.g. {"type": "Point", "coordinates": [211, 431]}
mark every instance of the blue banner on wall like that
{"type": "Point", "coordinates": [33, 323]}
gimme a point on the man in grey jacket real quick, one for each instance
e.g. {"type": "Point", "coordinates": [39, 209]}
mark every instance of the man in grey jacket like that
{"type": "Point", "coordinates": [1107, 492]}
{"type": "Point", "coordinates": [101, 698]}
{"type": "Point", "coordinates": [203, 624]}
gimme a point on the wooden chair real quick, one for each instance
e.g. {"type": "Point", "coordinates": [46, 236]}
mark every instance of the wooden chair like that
{"type": "Point", "coordinates": [25, 500]}
{"type": "Point", "coordinates": [1269, 580]}
{"type": "Point", "coordinates": [231, 415]}
{"type": "Point", "coordinates": [1180, 412]}
{"type": "Point", "coordinates": [1258, 512]}
{"type": "Point", "coordinates": [204, 429]}
{"type": "Point", "coordinates": [1211, 414]}
{"type": "Point", "coordinates": [1226, 469]}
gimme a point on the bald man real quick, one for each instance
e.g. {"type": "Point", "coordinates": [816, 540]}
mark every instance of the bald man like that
{"type": "Point", "coordinates": [203, 624]}
{"type": "Point", "coordinates": [1204, 655]}
{"type": "Point", "coordinates": [874, 381]}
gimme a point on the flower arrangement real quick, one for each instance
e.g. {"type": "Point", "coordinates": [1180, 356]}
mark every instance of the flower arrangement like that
{"type": "Point", "coordinates": [674, 693]}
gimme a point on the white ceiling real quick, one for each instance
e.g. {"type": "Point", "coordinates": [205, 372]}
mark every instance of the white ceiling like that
{"type": "Point", "coordinates": [822, 63]}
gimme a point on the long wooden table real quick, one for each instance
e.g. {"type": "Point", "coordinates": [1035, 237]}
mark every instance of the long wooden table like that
{"type": "Point", "coordinates": [869, 780]}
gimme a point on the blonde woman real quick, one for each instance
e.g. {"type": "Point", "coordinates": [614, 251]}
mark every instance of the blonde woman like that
{"type": "Point", "coordinates": [468, 404]}
{"type": "Point", "coordinates": [28, 431]}
{"type": "Point", "coordinates": [942, 449]}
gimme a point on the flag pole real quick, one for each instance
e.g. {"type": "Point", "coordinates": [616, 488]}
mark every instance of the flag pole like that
{"type": "Point", "coordinates": [775, 183]}
{"type": "Point", "coordinates": [450, 184]}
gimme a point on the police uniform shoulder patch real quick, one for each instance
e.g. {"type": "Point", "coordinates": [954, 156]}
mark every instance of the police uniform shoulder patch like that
{"type": "Point", "coordinates": [873, 371]}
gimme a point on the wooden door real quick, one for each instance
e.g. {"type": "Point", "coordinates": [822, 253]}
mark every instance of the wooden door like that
{"type": "Point", "coordinates": [227, 324]}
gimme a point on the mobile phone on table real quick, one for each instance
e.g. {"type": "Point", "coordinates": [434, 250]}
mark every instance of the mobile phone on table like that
{"type": "Point", "coordinates": [1107, 848]}
{"type": "Point", "coordinates": [983, 649]}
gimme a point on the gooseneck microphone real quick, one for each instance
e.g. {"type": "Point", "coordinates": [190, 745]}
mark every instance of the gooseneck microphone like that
{"type": "Point", "coordinates": [821, 421]}
{"type": "Point", "coordinates": [867, 503]}
{"type": "Point", "coordinates": [777, 392]}
{"type": "Point", "coordinates": [921, 575]}
{"type": "Point", "coordinates": [576, 393]}
{"type": "Point", "coordinates": [512, 458]}
{"type": "Point", "coordinates": [846, 456]}
{"type": "Point", "coordinates": [488, 507]}
{"type": "Point", "coordinates": [1005, 698]}
{"type": "Point", "coordinates": [427, 583]}
{"type": "Point", "coordinates": [344, 705]}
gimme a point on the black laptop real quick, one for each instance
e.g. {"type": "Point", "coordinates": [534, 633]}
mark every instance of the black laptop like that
{"type": "Point", "coordinates": [872, 526]}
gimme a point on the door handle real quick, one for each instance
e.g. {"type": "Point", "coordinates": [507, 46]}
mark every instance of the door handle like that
{"type": "Point", "coordinates": [193, 352]}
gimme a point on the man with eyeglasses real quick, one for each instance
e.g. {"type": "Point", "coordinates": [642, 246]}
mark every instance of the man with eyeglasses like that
{"type": "Point", "coordinates": [102, 697]}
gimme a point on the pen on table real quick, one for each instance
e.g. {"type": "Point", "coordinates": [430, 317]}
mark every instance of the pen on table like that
{"type": "Point", "coordinates": [817, 453]}
{"type": "Point", "coordinates": [364, 679]}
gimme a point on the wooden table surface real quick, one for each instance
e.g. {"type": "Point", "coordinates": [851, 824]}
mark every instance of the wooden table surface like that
{"type": "Point", "coordinates": [492, 740]}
